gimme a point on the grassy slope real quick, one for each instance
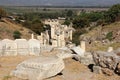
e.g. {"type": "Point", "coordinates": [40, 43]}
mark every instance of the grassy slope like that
{"type": "Point", "coordinates": [8, 27]}
{"type": "Point", "coordinates": [96, 32]}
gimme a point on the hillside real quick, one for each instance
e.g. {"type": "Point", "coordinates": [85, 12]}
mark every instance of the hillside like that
{"type": "Point", "coordinates": [102, 37]}
{"type": "Point", "coordinates": [7, 27]}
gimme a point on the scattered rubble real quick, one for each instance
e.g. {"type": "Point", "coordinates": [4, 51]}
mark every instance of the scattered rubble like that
{"type": "Point", "coordinates": [108, 61]}
{"type": "Point", "coordinates": [79, 51]}
{"type": "Point", "coordinates": [87, 59]}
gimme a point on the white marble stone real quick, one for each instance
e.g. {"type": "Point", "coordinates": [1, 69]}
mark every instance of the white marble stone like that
{"type": "Point", "coordinates": [9, 47]}
{"type": "Point", "coordinates": [78, 50]}
{"type": "Point", "coordinates": [34, 47]}
{"type": "Point", "coordinates": [39, 68]}
{"type": "Point", "coordinates": [110, 49]}
{"type": "Point", "coordinates": [22, 47]}
{"type": "Point", "coordinates": [82, 45]}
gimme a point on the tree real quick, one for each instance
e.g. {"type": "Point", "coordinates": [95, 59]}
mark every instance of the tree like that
{"type": "Point", "coordinates": [80, 23]}
{"type": "Point", "coordinates": [76, 35]}
{"type": "Point", "coordinates": [69, 13]}
{"type": "Point", "coordinates": [92, 16]}
{"type": "Point", "coordinates": [37, 28]}
{"type": "Point", "coordinates": [67, 22]}
{"type": "Point", "coordinates": [113, 13]}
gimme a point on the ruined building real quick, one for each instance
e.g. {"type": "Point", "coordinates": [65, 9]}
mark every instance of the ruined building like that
{"type": "Point", "coordinates": [58, 35]}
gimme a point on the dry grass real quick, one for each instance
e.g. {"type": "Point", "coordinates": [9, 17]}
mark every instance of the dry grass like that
{"type": "Point", "coordinates": [8, 64]}
{"type": "Point", "coordinates": [7, 28]}
{"type": "Point", "coordinates": [97, 32]}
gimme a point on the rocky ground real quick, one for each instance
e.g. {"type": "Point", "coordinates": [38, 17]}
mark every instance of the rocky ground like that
{"type": "Point", "coordinates": [73, 70]}
{"type": "Point", "coordinates": [102, 37]}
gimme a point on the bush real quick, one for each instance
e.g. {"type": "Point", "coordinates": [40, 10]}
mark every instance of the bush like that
{"type": "Point", "coordinates": [69, 13]}
{"type": "Point", "coordinates": [76, 35]}
{"type": "Point", "coordinates": [113, 14]}
{"type": "Point", "coordinates": [16, 35]}
{"type": "Point", "coordinates": [79, 23]}
{"type": "Point", "coordinates": [67, 22]}
{"type": "Point", "coordinates": [109, 36]}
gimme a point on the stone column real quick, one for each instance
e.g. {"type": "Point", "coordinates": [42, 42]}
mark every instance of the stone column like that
{"type": "Point", "coordinates": [62, 39]}
{"type": "Point", "coordinates": [82, 45]}
{"type": "Point", "coordinates": [44, 43]}
{"type": "Point", "coordinates": [58, 40]}
{"type": "Point", "coordinates": [32, 36]}
{"type": "Point", "coordinates": [110, 49]}
{"type": "Point", "coordinates": [70, 34]}
{"type": "Point", "coordinates": [52, 31]}
{"type": "Point", "coordinates": [47, 35]}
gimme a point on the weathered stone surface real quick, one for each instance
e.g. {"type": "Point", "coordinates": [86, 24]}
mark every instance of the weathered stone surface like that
{"type": "Point", "coordinates": [39, 68]}
{"type": "Point", "coordinates": [63, 49]}
{"type": "Point", "coordinates": [64, 55]}
{"type": "Point", "coordinates": [34, 47]}
{"type": "Point", "coordinates": [22, 47]}
{"type": "Point", "coordinates": [63, 52]}
{"type": "Point", "coordinates": [118, 68]}
{"type": "Point", "coordinates": [117, 52]}
{"type": "Point", "coordinates": [86, 59]}
{"type": "Point", "coordinates": [107, 71]}
{"type": "Point", "coordinates": [78, 50]}
{"type": "Point", "coordinates": [97, 69]}
{"type": "Point", "coordinates": [106, 59]}
{"type": "Point", "coordinates": [9, 47]}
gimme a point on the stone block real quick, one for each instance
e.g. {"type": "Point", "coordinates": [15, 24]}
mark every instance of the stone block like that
{"type": "Point", "coordinates": [39, 68]}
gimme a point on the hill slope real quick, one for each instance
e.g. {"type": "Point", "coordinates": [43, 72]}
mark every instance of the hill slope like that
{"type": "Point", "coordinates": [102, 37]}
{"type": "Point", "coordinates": [7, 27]}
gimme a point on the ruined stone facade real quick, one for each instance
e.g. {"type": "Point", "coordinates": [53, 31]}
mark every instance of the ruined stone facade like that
{"type": "Point", "coordinates": [59, 34]}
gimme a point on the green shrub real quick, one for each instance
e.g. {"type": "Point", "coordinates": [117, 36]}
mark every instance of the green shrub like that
{"type": "Point", "coordinates": [109, 36]}
{"type": "Point", "coordinates": [16, 34]}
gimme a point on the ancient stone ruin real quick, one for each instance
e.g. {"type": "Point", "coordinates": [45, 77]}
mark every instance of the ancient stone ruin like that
{"type": "Point", "coordinates": [34, 47]}
{"type": "Point", "coordinates": [39, 68]}
{"type": "Point", "coordinates": [8, 47]}
{"type": "Point", "coordinates": [58, 34]}
{"type": "Point", "coordinates": [107, 62]}
{"type": "Point", "coordinates": [19, 47]}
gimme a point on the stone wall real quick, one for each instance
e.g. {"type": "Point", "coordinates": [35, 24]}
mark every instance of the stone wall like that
{"type": "Point", "coordinates": [19, 47]}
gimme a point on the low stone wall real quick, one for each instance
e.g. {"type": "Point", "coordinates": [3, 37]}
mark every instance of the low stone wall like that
{"type": "Point", "coordinates": [19, 47]}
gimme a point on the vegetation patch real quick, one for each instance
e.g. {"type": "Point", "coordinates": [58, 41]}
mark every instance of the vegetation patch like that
{"type": "Point", "coordinates": [109, 36]}
{"type": "Point", "coordinates": [7, 77]}
{"type": "Point", "coordinates": [16, 34]}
